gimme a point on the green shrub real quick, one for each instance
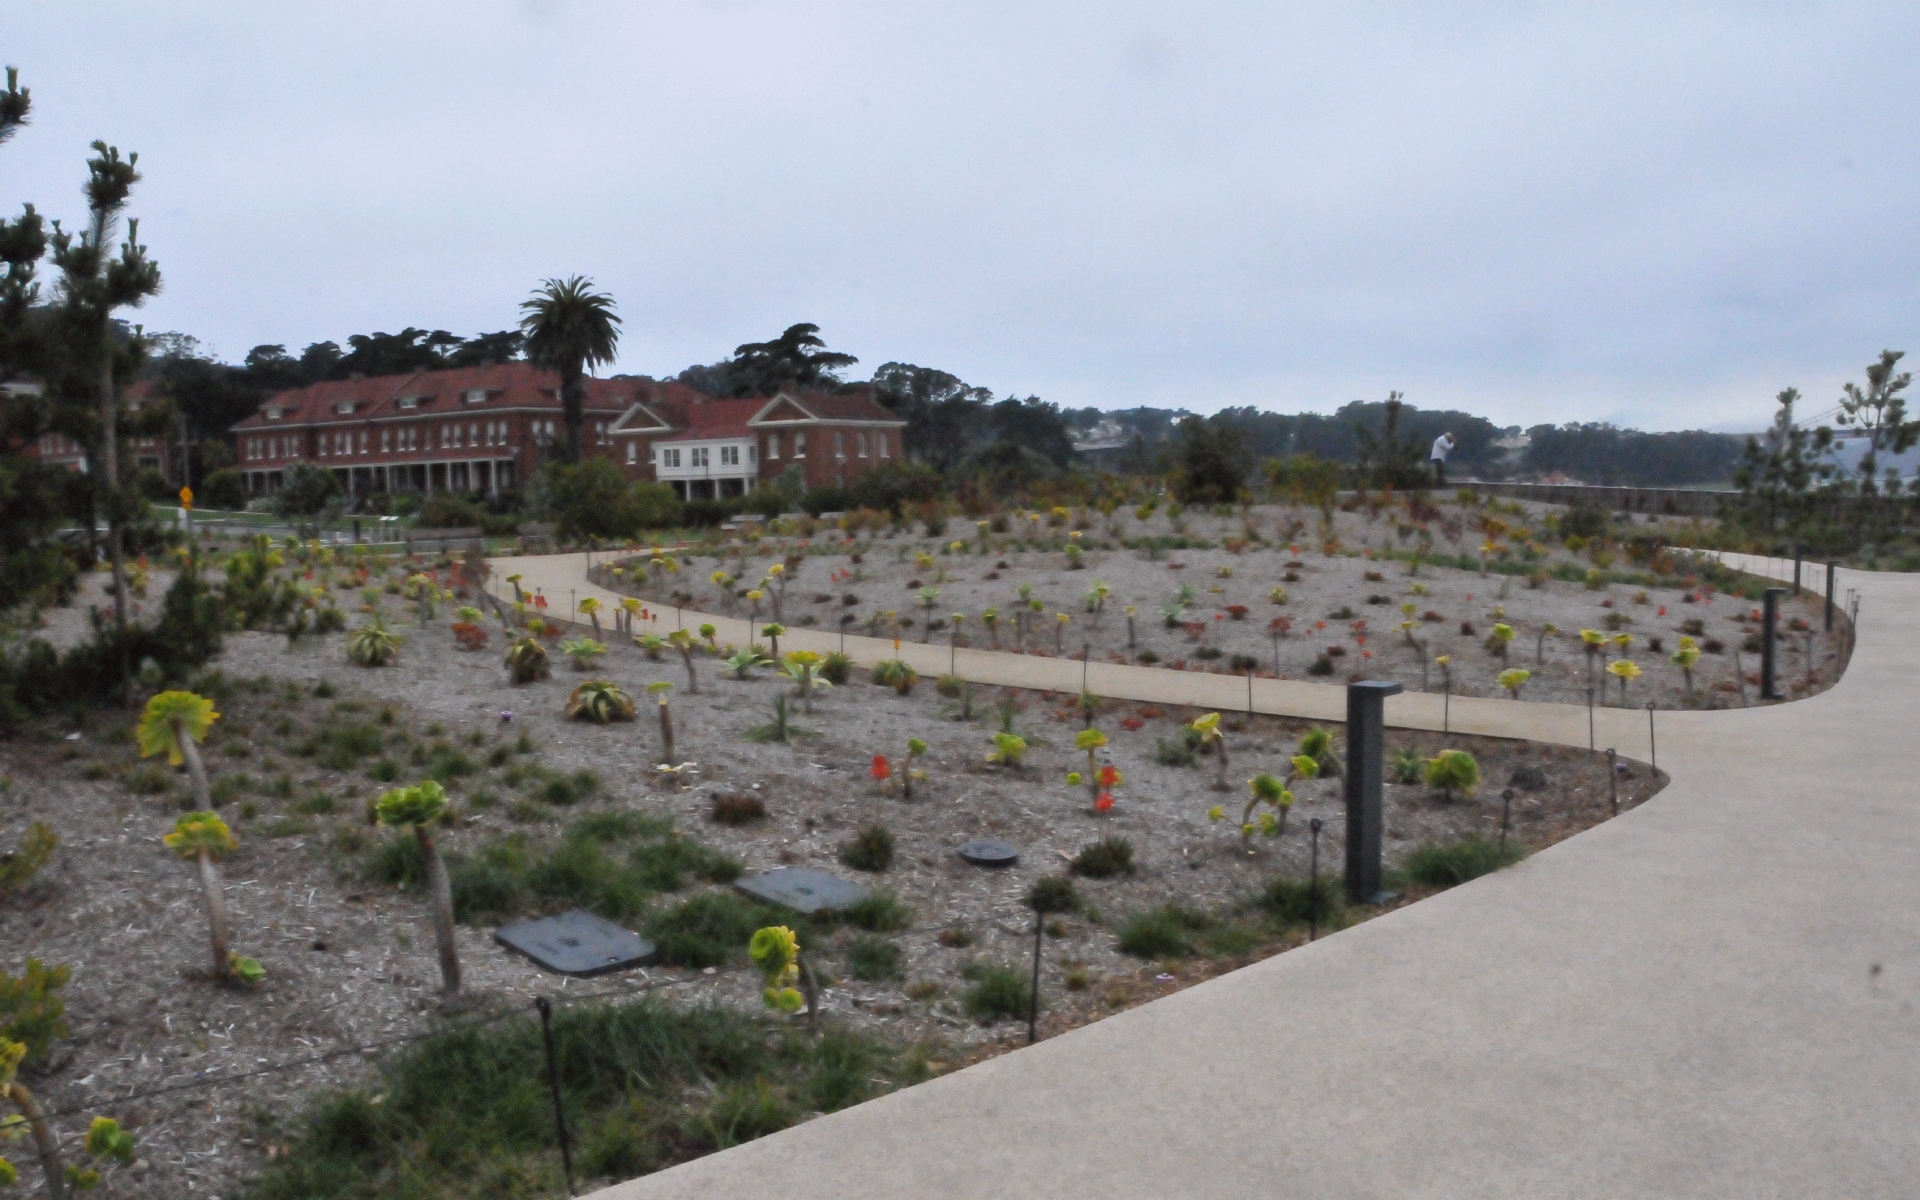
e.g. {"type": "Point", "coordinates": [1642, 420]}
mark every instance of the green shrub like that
{"type": "Point", "coordinates": [32, 1010]}
{"type": "Point", "coordinates": [1168, 931]}
{"type": "Point", "coordinates": [874, 959]}
{"type": "Point", "coordinates": [18, 867]}
{"type": "Point", "coordinates": [341, 747]}
{"type": "Point", "coordinates": [707, 930]}
{"type": "Point", "coordinates": [881, 912]}
{"type": "Point", "coordinates": [1297, 900]}
{"type": "Point", "coordinates": [149, 779]}
{"type": "Point", "coordinates": [1049, 894]}
{"type": "Point", "coordinates": [645, 1086]}
{"type": "Point", "coordinates": [1175, 752]}
{"type": "Point", "coordinates": [1446, 864]}
{"type": "Point", "coordinates": [998, 991]}
{"type": "Point", "coordinates": [870, 850]}
{"type": "Point", "coordinates": [1110, 856]}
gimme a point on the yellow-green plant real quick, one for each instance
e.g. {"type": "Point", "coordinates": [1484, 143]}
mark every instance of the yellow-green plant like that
{"type": "Point", "coordinates": [629, 609]}
{"type": "Point", "coordinates": [660, 689]}
{"type": "Point", "coordinates": [803, 667]}
{"type": "Point", "coordinates": [591, 607]}
{"type": "Point", "coordinates": [915, 749]}
{"type": "Point", "coordinates": [1009, 750]}
{"type": "Point", "coordinates": [601, 701]}
{"type": "Point", "coordinates": [775, 952]}
{"type": "Point", "coordinates": [772, 633]}
{"type": "Point", "coordinates": [929, 597]}
{"type": "Point", "coordinates": [1623, 642]}
{"type": "Point", "coordinates": [1685, 657]}
{"type": "Point", "coordinates": [373, 644]}
{"type": "Point", "coordinates": [1318, 745]}
{"type": "Point", "coordinates": [205, 838]}
{"type": "Point", "coordinates": [1097, 599]}
{"type": "Point", "coordinates": [682, 641]}
{"type": "Point", "coordinates": [1453, 771]}
{"type": "Point", "coordinates": [1540, 643]}
{"type": "Point", "coordinates": [418, 808]}
{"type": "Point", "coordinates": [711, 636]}
{"type": "Point", "coordinates": [1499, 638]}
{"type": "Point", "coordinates": [1623, 669]}
{"type": "Point", "coordinates": [527, 660]}
{"type": "Point", "coordinates": [582, 652]}
{"type": "Point", "coordinates": [651, 644]}
{"type": "Point", "coordinates": [990, 617]}
{"type": "Point", "coordinates": [1211, 734]}
{"type": "Point", "coordinates": [1090, 741]}
{"type": "Point", "coordinates": [174, 724]}
{"type": "Point", "coordinates": [1513, 678]}
{"type": "Point", "coordinates": [105, 1138]}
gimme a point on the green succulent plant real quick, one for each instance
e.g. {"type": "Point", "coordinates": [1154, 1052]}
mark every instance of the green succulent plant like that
{"type": "Point", "coordinates": [417, 808]}
{"type": "Point", "coordinates": [1453, 771]}
{"type": "Point", "coordinates": [601, 701]}
{"type": "Point", "coordinates": [527, 660]}
{"type": "Point", "coordinates": [374, 645]}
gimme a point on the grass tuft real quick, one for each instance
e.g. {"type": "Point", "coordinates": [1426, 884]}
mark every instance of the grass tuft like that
{"type": "Point", "coordinates": [1110, 856]}
{"type": "Point", "coordinates": [870, 850]}
{"type": "Point", "coordinates": [1448, 864]}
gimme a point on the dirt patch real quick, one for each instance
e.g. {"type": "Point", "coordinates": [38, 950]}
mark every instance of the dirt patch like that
{"type": "Point", "coordinates": [350, 960]}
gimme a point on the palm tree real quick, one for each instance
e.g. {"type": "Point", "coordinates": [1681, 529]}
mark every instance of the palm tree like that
{"type": "Point", "coordinates": [570, 327]}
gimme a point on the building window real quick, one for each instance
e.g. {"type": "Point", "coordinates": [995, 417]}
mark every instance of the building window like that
{"type": "Point", "coordinates": [729, 456]}
{"type": "Point", "coordinates": [699, 457]}
{"type": "Point", "coordinates": [409, 402]}
{"type": "Point", "coordinates": [773, 445]}
{"type": "Point", "coordinates": [600, 432]}
{"type": "Point", "coordinates": [863, 444]}
{"type": "Point", "coordinates": [363, 441]}
{"type": "Point", "coordinates": [883, 445]}
{"type": "Point", "coordinates": [839, 445]}
{"type": "Point", "coordinates": [273, 414]}
{"type": "Point", "coordinates": [386, 440]}
{"type": "Point", "coordinates": [633, 453]}
{"type": "Point", "coordinates": [799, 445]}
{"type": "Point", "coordinates": [673, 458]}
{"type": "Point", "coordinates": [476, 395]}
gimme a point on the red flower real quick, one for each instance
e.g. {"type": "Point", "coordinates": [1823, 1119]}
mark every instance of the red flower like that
{"type": "Point", "coordinates": [539, 601]}
{"type": "Point", "coordinates": [1107, 776]}
{"type": "Point", "coordinates": [1130, 724]}
{"type": "Point", "coordinates": [1663, 611]}
{"type": "Point", "coordinates": [1104, 803]}
{"type": "Point", "coordinates": [1469, 596]}
{"type": "Point", "coordinates": [880, 770]}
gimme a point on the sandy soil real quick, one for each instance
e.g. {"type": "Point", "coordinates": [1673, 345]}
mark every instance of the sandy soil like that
{"type": "Point", "coordinates": [1233, 609]}
{"type": "Point", "coordinates": [351, 962]}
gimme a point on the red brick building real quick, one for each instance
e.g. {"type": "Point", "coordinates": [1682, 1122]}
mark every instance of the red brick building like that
{"type": "Point", "coordinates": [487, 429]}
{"type": "Point", "coordinates": [709, 449]}
{"type": "Point", "coordinates": [138, 453]}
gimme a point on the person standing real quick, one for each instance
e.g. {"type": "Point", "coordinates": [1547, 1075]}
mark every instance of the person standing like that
{"type": "Point", "coordinates": [1442, 446]}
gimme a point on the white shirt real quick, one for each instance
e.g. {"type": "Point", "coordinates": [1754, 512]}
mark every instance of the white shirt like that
{"type": "Point", "coordinates": [1441, 445]}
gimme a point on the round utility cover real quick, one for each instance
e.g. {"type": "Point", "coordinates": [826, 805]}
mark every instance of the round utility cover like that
{"type": "Point", "coordinates": [990, 854]}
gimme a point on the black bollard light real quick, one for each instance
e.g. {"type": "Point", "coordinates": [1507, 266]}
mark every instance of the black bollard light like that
{"type": "Point", "coordinates": [1796, 570]}
{"type": "Point", "coordinates": [1506, 814]}
{"type": "Point", "coordinates": [1769, 623]}
{"type": "Point", "coordinates": [1613, 778]}
{"type": "Point", "coordinates": [1830, 580]}
{"type": "Point", "coordinates": [1366, 745]}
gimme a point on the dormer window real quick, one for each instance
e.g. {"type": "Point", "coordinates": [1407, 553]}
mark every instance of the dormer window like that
{"type": "Point", "coordinates": [409, 402]}
{"type": "Point", "coordinates": [345, 407]}
{"type": "Point", "coordinates": [273, 414]}
{"type": "Point", "coordinates": [476, 395]}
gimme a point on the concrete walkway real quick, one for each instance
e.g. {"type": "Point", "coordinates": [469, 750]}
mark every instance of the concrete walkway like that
{"type": "Point", "coordinates": [1712, 995]}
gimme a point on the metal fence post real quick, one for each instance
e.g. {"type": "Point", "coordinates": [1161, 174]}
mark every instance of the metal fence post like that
{"type": "Point", "coordinates": [553, 1082]}
{"type": "Point", "coordinates": [1769, 623]}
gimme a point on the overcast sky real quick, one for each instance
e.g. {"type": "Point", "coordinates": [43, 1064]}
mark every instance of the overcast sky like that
{"type": "Point", "coordinates": [1656, 217]}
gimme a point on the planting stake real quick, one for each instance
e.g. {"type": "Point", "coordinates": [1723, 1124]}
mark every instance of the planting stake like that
{"type": "Point", "coordinates": [1249, 693]}
{"type": "Point", "coordinates": [1653, 746]}
{"type": "Point", "coordinates": [1830, 573]}
{"type": "Point", "coordinates": [1086, 653]}
{"type": "Point", "coordinates": [1366, 730]}
{"type": "Point", "coordinates": [1446, 704]}
{"type": "Point", "coordinates": [553, 1082]}
{"type": "Point", "coordinates": [1796, 570]}
{"type": "Point", "coordinates": [1769, 621]}
{"type": "Point", "coordinates": [1033, 999]}
{"type": "Point", "coordinates": [1613, 779]}
{"type": "Point", "coordinates": [1313, 887]}
{"type": "Point", "coordinates": [1590, 716]}
{"type": "Point", "coordinates": [1506, 810]}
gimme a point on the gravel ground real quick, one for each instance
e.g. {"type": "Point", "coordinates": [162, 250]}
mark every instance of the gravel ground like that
{"type": "Point", "coordinates": [1325, 594]}
{"type": "Point", "coordinates": [350, 962]}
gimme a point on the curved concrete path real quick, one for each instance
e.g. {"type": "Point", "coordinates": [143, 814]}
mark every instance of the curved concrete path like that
{"type": "Point", "coordinates": [1711, 995]}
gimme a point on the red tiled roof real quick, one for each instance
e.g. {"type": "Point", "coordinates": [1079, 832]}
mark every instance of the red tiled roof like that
{"type": "Point", "coordinates": [508, 385]}
{"type": "Point", "coordinates": [857, 405]}
{"type": "Point", "coordinates": [711, 419]}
